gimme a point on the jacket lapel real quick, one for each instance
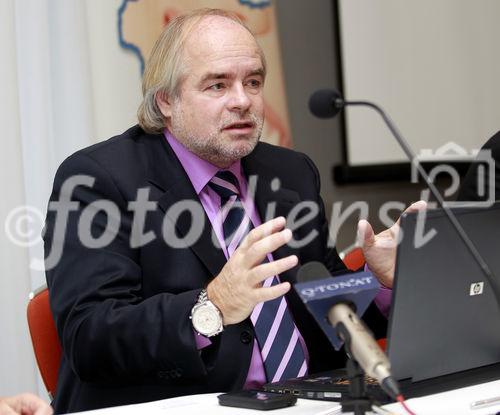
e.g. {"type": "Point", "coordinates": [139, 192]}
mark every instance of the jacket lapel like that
{"type": "Point", "coordinates": [171, 185]}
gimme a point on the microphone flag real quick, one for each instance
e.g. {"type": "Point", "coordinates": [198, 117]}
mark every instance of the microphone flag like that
{"type": "Point", "coordinates": [356, 289]}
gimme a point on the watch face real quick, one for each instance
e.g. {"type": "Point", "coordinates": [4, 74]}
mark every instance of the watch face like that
{"type": "Point", "coordinates": [206, 320]}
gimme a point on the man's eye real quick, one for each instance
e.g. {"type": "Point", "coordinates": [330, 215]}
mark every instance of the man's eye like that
{"type": "Point", "coordinates": [216, 87]}
{"type": "Point", "coordinates": [254, 83]}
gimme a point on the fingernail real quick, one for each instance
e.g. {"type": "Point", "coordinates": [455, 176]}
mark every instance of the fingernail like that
{"type": "Point", "coordinates": [360, 236]}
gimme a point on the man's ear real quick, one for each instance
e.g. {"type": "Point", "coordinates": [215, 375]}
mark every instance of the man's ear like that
{"type": "Point", "coordinates": [164, 104]}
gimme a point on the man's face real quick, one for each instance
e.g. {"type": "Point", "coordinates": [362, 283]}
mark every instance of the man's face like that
{"type": "Point", "coordinates": [220, 110]}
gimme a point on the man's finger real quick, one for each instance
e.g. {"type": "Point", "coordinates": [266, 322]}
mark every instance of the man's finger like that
{"type": "Point", "coordinates": [264, 271]}
{"type": "Point", "coordinates": [261, 231]}
{"type": "Point", "coordinates": [29, 404]}
{"type": "Point", "coordinates": [366, 236]}
{"type": "Point", "coordinates": [272, 292]}
{"type": "Point", "coordinates": [415, 207]}
{"type": "Point", "coordinates": [44, 410]}
{"type": "Point", "coordinates": [256, 253]}
{"type": "Point", "coordinates": [6, 409]}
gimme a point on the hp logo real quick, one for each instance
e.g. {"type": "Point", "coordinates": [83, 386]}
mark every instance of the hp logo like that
{"type": "Point", "coordinates": [476, 288]}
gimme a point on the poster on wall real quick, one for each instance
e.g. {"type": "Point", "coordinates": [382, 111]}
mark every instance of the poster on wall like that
{"type": "Point", "coordinates": [140, 22]}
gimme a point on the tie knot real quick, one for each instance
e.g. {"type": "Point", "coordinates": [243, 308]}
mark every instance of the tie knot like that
{"type": "Point", "coordinates": [225, 184]}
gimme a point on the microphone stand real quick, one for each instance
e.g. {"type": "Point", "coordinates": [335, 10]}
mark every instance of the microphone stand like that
{"type": "Point", "coordinates": [358, 401]}
{"type": "Point", "coordinates": [339, 103]}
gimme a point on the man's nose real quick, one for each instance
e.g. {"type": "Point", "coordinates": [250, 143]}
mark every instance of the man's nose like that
{"type": "Point", "coordinates": [239, 100]}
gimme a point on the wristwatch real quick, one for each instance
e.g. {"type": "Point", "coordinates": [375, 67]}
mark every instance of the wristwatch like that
{"type": "Point", "coordinates": [206, 317]}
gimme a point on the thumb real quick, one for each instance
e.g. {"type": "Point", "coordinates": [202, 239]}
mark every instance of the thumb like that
{"type": "Point", "coordinates": [366, 236]}
{"type": "Point", "coordinates": [414, 207]}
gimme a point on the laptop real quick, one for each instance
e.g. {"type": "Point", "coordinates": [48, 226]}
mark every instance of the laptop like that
{"type": "Point", "coordinates": [444, 326]}
{"type": "Point", "coordinates": [327, 386]}
{"type": "Point", "coordinates": [444, 317]}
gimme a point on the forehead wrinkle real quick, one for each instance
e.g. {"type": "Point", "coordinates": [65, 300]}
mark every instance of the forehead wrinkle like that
{"type": "Point", "coordinates": [226, 65]}
{"type": "Point", "coordinates": [214, 50]}
{"type": "Point", "coordinates": [204, 55]}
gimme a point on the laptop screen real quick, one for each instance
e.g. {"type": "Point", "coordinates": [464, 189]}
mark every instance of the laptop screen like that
{"type": "Point", "coordinates": [444, 317]}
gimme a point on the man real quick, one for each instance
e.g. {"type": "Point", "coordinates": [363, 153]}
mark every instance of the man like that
{"type": "Point", "coordinates": [469, 190]}
{"type": "Point", "coordinates": [24, 404]}
{"type": "Point", "coordinates": [182, 298]}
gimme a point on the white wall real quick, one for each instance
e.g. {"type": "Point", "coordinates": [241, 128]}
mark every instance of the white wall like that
{"type": "Point", "coordinates": [433, 65]}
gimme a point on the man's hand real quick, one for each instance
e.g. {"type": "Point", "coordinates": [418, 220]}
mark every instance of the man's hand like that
{"type": "Point", "coordinates": [238, 287]}
{"type": "Point", "coordinates": [380, 250]}
{"type": "Point", "coordinates": [25, 404]}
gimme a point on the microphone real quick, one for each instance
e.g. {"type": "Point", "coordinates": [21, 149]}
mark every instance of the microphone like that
{"type": "Point", "coordinates": [337, 298]}
{"type": "Point", "coordinates": [327, 103]}
{"type": "Point", "coordinates": [318, 290]}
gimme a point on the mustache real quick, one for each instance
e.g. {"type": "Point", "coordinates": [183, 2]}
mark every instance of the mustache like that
{"type": "Point", "coordinates": [250, 119]}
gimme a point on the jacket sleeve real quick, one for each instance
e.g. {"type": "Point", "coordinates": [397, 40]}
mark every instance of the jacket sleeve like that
{"type": "Point", "coordinates": [107, 329]}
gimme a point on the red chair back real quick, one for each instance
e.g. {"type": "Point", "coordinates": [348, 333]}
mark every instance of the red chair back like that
{"type": "Point", "coordinates": [44, 337]}
{"type": "Point", "coordinates": [354, 259]}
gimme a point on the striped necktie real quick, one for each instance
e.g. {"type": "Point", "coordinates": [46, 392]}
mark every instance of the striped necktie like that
{"type": "Point", "coordinates": [275, 330]}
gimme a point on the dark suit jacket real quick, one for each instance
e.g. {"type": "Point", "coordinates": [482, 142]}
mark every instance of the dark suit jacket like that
{"type": "Point", "coordinates": [469, 188]}
{"type": "Point", "coordinates": [122, 313]}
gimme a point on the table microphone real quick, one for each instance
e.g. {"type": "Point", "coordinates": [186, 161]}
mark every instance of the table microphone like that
{"type": "Point", "coordinates": [327, 103]}
{"type": "Point", "coordinates": [347, 291]}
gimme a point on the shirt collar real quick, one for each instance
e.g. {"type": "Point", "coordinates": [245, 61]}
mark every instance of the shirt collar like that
{"type": "Point", "coordinates": [200, 171]}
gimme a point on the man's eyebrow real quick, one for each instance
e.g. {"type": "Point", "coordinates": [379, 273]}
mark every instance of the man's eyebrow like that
{"type": "Point", "coordinates": [215, 75]}
{"type": "Point", "coordinates": [224, 75]}
{"type": "Point", "coordinates": [260, 72]}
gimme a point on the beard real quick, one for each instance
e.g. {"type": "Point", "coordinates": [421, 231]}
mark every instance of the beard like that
{"type": "Point", "coordinates": [217, 148]}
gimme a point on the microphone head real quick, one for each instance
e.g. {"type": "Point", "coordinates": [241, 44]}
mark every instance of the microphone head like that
{"type": "Point", "coordinates": [319, 291]}
{"type": "Point", "coordinates": [312, 271]}
{"type": "Point", "coordinates": [325, 103]}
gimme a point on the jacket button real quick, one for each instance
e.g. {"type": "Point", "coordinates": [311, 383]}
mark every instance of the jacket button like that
{"type": "Point", "coordinates": [246, 337]}
{"type": "Point", "coordinates": [163, 374]}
